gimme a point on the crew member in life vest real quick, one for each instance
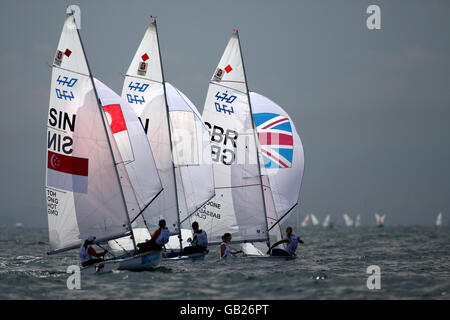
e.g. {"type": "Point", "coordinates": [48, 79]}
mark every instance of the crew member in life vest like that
{"type": "Point", "coordinates": [158, 240]}
{"type": "Point", "coordinates": [200, 241]}
{"type": "Point", "coordinates": [225, 249]}
{"type": "Point", "coordinates": [292, 241]}
{"type": "Point", "coordinates": [87, 252]}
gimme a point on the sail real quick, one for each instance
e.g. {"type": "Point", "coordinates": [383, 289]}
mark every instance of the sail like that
{"type": "Point", "coordinates": [439, 219]}
{"type": "Point", "coordinates": [305, 221]}
{"type": "Point", "coordinates": [83, 192]}
{"type": "Point", "coordinates": [282, 151]}
{"type": "Point", "coordinates": [380, 219]}
{"type": "Point", "coordinates": [326, 222]}
{"type": "Point", "coordinates": [348, 220]}
{"type": "Point", "coordinates": [358, 221]}
{"type": "Point", "coordinates": [135, 152]}
{"type": "Point", "coordinates": [315, 221]}
{"type": "Point", "coordinates": [238, 206]}
{"type": "Point", "coordinates": [182, 155]}
{"type": "Point", "coordinates": [192, 156]}
{"type": "Point", "coordinates": [143, 90]}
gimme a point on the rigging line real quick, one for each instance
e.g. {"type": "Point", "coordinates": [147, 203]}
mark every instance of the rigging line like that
{"type": "Point", "coordinates": [278, 221]}
{"type": "Point", "coordinates": [199, 207]}
{"type": "Point", "coordinates": [140, 213]}
{"type": "Point", "coordinates": [242, 186]}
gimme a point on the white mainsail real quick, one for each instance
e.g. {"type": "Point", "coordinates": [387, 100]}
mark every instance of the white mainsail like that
{"type": "Point", "coordinates": [326, 222]}
{"type": "Point", "coordinates": [315, 221]}
{"type": "Point", "coordinates": [358, 221]}
{"type": "Point", "coordinates": [181, 148]}
{"type": "Point", "coordinates": [83, 190]}
{"type": "Point", "coordinates": [305, 221]}
{"type": "Point", "coordinates": [348, 220]}
{"type": "Point", "coordinates": [239, 204]}
{"type": "Point", "coordinates": [439, 220]}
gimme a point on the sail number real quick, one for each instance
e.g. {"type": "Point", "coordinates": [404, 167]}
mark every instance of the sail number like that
{"type": "Point", "coordinates": [221, 139]}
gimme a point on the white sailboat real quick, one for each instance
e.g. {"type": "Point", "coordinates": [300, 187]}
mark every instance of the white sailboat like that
{"type": "Point", "coordinates": [327, 222]}
{"type": "Point", "coordinates": [257, 155]}
{"type": "Point", "coordinates": [305, 221]}
{"type": "Point", "coordinates": [348, 220]}
{"type": "Point", "coordinates": [358, 221]}
{"type": "Point", "coordinates": [179, 140]}
{"type": "Point", "coordinates": [94, 167]}
{"type": "Point", "coordinates": [439, 220]}
{"type": "Point", "coordinates": [314, 220]}
{"type": "Point", "coordinates": [380, 219]}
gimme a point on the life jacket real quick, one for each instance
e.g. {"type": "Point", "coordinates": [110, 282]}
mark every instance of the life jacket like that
{"type": "Point", "coordinates": [227, 249]}
{"type": "Point", "coordinates": [163, 237]}
{"type": "Point", "coordinates": [292, 246]}
{"type": "Point", "coordinates": [202, 239]}
{"type": "Point", "coordinates": [84, 254]}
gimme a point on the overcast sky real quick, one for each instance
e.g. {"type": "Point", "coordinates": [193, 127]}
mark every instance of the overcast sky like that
{"type": "Point", "coordinates": [372, 107]}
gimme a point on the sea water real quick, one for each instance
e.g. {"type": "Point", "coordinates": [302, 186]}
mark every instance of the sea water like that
{"type": "Point", "coordinates": [414, 263]}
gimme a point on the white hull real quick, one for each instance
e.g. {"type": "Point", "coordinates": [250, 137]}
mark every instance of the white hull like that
{"type": "Point", "coordinates": [140, 262]}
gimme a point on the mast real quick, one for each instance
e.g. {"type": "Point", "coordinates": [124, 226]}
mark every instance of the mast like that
{"type": "Point", "coordinates": [170, 135]}
{"type": "Point", "coordinates": [107, 137]}
{"type": "Point", "coordinates": [256, 140]}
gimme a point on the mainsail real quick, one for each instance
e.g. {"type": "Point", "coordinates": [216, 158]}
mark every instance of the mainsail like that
{"type": "Point", "coordinates": [176, 133]}
{"type": "Point", "coordinates": [348, 220]}
{"type": "Point", "coordinates": [83, 192]}
{"type": "Point", "coordinates": [326, 222]}
{"type": "Point", "coordinates": [239, 205]}
{"type": "Point", "coordinates": [439, 220]}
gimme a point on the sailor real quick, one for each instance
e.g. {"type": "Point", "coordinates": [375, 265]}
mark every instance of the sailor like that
{"type": "Point", "coordinates": [225, 249]}
{"type": "Point", "coordinates": [200, 241]}
{"type": "Point", "coordinates": [292, 241]}
{"type": "Point", "coordinates": [87, 252]}
{"type": "Point", "coordinates": [159, 238]}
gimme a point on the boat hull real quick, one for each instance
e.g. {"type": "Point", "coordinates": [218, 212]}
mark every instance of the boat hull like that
{"type": "Point", "coordinates": [141, 262]}
{"type": "Point", "coordinates": [173, 256]}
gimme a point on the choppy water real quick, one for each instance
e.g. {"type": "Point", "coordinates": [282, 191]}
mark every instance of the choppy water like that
{"type": "Point", "coordinates": [414, 263]}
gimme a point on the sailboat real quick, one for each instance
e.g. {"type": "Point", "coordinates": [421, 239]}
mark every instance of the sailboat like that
{"type": "Point", "coordinates": [327, 222]}
{"type": "Point", "coordinates": [439, 220]}
{"type": "Point", "coordinates": [314, 220]}
{"type": "Point", "coordinates": [358, 221]}
{"type": "Point", "coordinates": [257, 155]}
{"type": "Point", "coordinates": [348, 220]}
{"type": "Point", "coordinates": [305, 221]}
{"type": "Point", "coordinates": [380, 219]}
{"type": "Point", "coordinates": [94, 168]}
{"type": "Point", "coordinates": [180, 144]}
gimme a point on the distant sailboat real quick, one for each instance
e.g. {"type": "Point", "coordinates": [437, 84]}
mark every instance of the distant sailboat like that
{"type": "Point", "coordinates": [380, 219]}
{"type": "Point", "coordinates": [327, 222]}
{"type": "Point", "coordinates": [19, 225]}
{"type": "Point", "coordinates": [305, 221]}
{"type": "Point", "coordinates": [314, 220]}
{"type": "Point", "coordinates": [348, 220]}
{"type": "Point", "coordinates": [358, 221]}
{"type": "Point", "coordinates": [439, 220]}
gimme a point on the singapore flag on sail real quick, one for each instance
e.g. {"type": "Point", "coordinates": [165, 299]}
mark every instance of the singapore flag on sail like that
{"type": "Point", "coordinates": [119, 129]}
{"type": "Point", "coordinates": [67, 172]}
